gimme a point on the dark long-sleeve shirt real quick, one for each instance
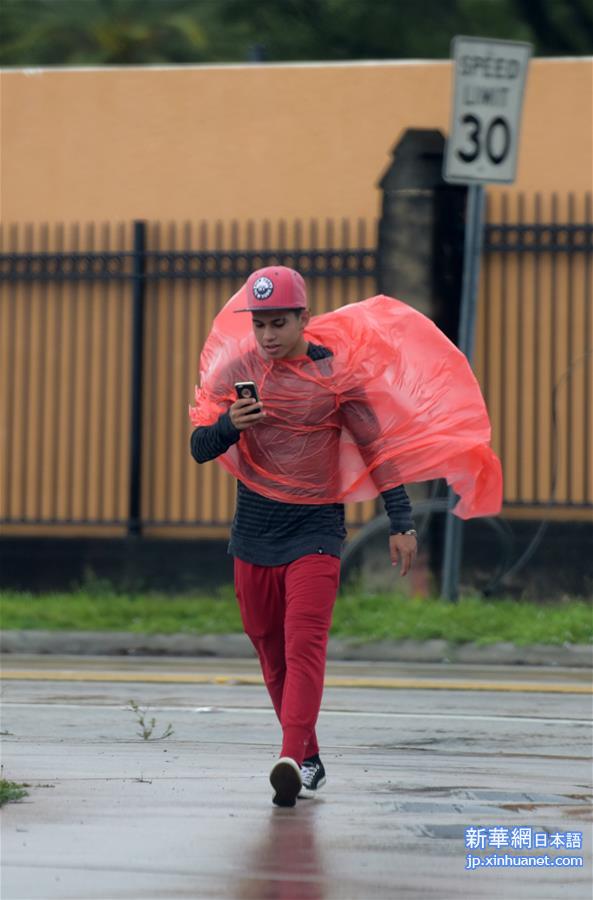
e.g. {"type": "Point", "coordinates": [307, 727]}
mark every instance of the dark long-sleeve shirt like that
{"type": "Point", "coordinates": [269, 532]}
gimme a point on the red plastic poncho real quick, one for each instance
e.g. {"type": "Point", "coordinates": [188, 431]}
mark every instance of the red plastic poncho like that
{"type": "Point", "coordinates": [396, 403]}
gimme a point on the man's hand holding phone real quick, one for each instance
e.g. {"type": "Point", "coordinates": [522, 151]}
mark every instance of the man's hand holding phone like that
{"type": "Point", "coordinates": [247, 410]}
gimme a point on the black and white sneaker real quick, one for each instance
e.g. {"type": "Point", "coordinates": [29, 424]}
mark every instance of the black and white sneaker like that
{"type": "Point", "coordinates": [312, 776]}
{"type": "Point", "coordinates": [285, 778]}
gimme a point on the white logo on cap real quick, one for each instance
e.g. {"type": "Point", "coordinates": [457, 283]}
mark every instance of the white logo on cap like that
{"type": "Point", "coordinates": [263, 288]}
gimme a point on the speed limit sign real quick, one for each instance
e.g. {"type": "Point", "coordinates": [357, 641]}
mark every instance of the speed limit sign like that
{"type": "Point", "coordinates": [486, 113]}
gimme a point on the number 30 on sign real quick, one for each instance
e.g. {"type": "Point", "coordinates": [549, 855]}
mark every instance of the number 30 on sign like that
{"type": "Point", "coordinates": [489, 81]}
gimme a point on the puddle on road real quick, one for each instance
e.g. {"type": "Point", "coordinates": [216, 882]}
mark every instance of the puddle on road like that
{"type": "Point", "coordinates": [441, 832]}
{"type": "Point", "coordinates": [451, 750]}
{"type": "Point", "coordinates": [484, 802]}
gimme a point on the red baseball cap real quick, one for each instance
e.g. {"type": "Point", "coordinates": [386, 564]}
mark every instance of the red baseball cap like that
{"type": "Point", "coordinates": [275, 287]}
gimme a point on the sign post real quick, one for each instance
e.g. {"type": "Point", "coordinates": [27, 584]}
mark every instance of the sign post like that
{"type": "Point", "coordinates": [489, 82]}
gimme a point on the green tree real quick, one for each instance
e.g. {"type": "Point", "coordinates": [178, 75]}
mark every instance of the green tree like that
{"type": "Point", "coordinates": [100, 32]}
{"type": "Point", "coordinates": [399, 29]}
{"type": "Point", "coordinates": [559, 27]}
{"type": "Point", "coordinates": [103, 32]}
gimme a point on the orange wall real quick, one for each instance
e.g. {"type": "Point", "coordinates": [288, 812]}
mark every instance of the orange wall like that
{"type": "Point", "coordinates": [253, 141]}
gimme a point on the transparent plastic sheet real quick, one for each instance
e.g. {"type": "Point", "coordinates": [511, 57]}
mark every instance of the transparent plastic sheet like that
{"type": "Point", "coordinates": [396, 403]}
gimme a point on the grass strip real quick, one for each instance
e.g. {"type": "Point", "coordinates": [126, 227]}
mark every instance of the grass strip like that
{"type": "Point", "coordinates": [357, 615]}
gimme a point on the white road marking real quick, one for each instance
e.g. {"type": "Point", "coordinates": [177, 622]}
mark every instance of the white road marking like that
{"type": "Point", "coordinates": [256, 710]}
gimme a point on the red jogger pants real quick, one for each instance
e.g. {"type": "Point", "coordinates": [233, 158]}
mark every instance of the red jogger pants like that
{"type": "Point", "coordinates": [287, 612]}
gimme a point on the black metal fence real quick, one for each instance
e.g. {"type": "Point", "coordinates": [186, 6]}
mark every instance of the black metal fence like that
{"type": "Point", "coordinates": [535, 360]}
{"type": "Point", "coordinates": [138, 365]}
{"type": "Point", "coordinates": [98, 340]}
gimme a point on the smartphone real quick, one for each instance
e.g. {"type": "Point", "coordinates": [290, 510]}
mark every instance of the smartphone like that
{"type": "Point", "coordinates": [246, 389]}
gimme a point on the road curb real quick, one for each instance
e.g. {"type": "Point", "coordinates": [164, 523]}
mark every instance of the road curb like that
{"type": "Point", "coordinates": [238, 646]}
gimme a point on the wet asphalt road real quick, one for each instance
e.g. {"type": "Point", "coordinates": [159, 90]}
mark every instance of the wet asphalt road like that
{"type": "Point", "coordinates": [410, 766]}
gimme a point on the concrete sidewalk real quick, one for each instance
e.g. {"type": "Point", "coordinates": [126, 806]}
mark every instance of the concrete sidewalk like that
{"type": "Point", "coordinates": [238, 646]}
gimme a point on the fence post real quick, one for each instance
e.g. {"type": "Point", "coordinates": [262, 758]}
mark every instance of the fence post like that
{"type": "Point", "coordinates": [139, 292]}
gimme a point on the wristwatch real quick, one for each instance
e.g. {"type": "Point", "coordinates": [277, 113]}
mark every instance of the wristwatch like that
{"type": "Point", "coordinates": [410, 531]}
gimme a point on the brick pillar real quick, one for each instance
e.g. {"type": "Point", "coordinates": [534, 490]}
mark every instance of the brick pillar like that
{"type": "Point", "coordinates": [420, 261]}
{"type": "Point", "coordinates": [420, 246]}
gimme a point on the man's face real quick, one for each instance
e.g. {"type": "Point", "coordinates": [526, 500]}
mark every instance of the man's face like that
{"type": "Point", "coordinates": [280, 332]}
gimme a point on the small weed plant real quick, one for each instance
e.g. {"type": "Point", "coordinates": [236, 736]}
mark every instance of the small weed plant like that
{"type": "Point", "coordinates": [148, 726]}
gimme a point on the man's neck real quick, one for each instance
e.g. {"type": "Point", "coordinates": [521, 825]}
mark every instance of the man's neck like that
{"type": "Point", "coordinates": [300, 350]}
